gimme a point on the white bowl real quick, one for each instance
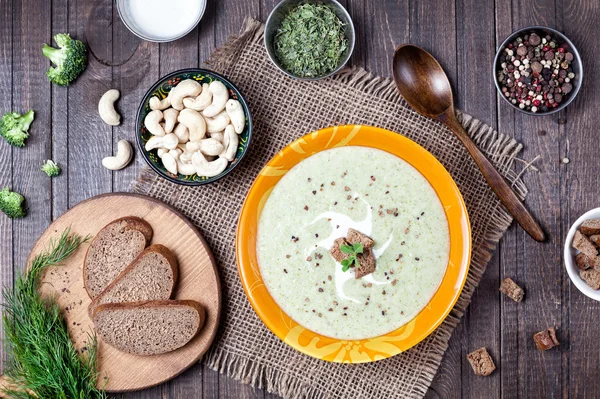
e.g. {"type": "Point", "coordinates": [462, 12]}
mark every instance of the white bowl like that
{"type": "Point", "coordinates": [570, 253]}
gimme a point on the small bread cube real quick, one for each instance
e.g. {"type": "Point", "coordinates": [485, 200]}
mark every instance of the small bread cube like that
{"type": "Point", "coordinates": [482, 362]}
{"type": "Point", "coordinates": [583, 244]}
{"type": "Point", "coordinates": [366, 263]}
{"type": "Point", "coordinates": [355, 236]}
{"type": "Point", "coordinates": [582, 261]}
{"type": "Point", "coordinates": [591, 278]}
{"type": "Point", "coordinates": [595, 239]}
{"type": "Point", "coordinates": [590, 227]}
{"type": "Point", "coordinates": [511, 290]}
{"type": "Point", "coordinates": [546, 339]}
{"type": "Point", "coordinates": [336, 252]}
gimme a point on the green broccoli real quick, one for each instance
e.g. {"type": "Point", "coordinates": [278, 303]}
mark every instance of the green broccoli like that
{"type": "Point", "coordinates": [70, 59]}
{"type": "Point", "coordinates": [51, 168]}
{"type": "Point", "coordinates": [14, 127]}
{"type": "Point", "coordinates": [11, 203]}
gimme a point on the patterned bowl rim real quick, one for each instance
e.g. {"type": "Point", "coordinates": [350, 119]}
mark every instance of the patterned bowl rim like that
{"type": "Point", "coordinates": [406, 336]}
{"type": "Point", "coordinates": [146, 98]}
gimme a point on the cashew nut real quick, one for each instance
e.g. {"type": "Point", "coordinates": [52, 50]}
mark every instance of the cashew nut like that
{"type": "Point", "coordinates": [185, 88]}
{"type": "Point", "coordinates": [152, 123]}
{"type": "Point", "coordinates": [168, 141]}
{"type": "Point", "coordinates": [230, 143]}
{"type": "Point", "coordinates": [121, 158]}
{"type": "Point", "coordinates": [220, 97]}
{"type": "Point", "coordinates": [176, 153]}
{"type": "Point", "coordinates": [194, 122]}
{"type": "Point", "coordinates": [182, 132]}
{"type": "Point", "coordinates": [218, 123]}
{"type": "Point", "coordinates": [209, 169]}
{"type": "Point", "coordinates": [236, 114]}
{"type": "Point", "coordinates": [185, 168]}
{"type": "Point", "coordinates": [170, 163]}
{"type": "Point", "coordinates": [170, 116]}
{"type": "Point", "coordinates": [201, 102]}
{"type": "Point", "coordinates": [158, 104]}
{"type": "Point", "coordinates": [218, 136]}
{"type": "Point", "coordinates": [206, 146]}
{"type": "Point", "coordinates": [161, 151]}
{"type": "Point", "coordinates": [106, 107]}
{"type": "Point", "coordinates": [186, 157]}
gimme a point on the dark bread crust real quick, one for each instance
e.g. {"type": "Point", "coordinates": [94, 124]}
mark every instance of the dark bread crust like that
{"type": "Point", "coordinates": [590, 227]}
{"type": "Point", "coordinates": [512, 290]}
{"type": "Point", "coordinates": [155, 305]}
{"type": "Point", "coordinates": [481, 362]}
{"type": "Point", "coordinates": [155, 248]}
{"type": "Point", "coordinates": [546, 339]}
{"type": "Point", "coordinates": [583, 244]}
{"type": "Point", "coordinates": [133, 223]}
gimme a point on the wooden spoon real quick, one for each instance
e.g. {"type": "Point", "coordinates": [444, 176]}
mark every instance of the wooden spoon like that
{"type": "Point", "coordinates": [425, 87]}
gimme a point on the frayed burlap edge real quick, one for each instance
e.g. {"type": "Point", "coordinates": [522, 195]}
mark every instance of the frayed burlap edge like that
{"type": "Point", "coordinates": [501, 149]}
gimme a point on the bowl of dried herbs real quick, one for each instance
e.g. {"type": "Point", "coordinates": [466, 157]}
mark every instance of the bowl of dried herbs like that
{"type": "Point", "coordinates": [309, 39]}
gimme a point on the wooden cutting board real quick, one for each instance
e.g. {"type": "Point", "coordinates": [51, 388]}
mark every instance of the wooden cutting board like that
{"type": "Point", "coordinates": [198, 280]}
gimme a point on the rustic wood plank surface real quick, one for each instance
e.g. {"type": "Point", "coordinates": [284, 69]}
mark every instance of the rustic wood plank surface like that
{"type": "Point", "coordinates": [462, 34]}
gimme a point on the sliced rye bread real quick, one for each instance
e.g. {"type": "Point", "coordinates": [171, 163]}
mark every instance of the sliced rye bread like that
{"type": "Point", "coordinates": [151, 276]}
{"type": "Point", "coordinates": [149, 327]}
{"type": "Point", "coordinates": [112, 250]}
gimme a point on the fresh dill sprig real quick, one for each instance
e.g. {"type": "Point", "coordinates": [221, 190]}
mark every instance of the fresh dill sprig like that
{"type": "Point", "coordinates": [43, 363]}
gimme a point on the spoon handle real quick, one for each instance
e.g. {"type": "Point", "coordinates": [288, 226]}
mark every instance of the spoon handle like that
{"type": "Point", "coordinates": [504, 192]}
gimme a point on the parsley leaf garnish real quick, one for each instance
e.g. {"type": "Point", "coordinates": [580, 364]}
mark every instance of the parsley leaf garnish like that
{"type": "Point", "coordinates": [352, 250]}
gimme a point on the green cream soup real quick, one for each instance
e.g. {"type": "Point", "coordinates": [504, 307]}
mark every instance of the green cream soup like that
{"type": "Point", "coordinates": [377, 194]}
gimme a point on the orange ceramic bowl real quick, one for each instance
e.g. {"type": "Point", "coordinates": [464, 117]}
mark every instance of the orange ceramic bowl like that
{"type": "Point", "coordinates": [401, 339]}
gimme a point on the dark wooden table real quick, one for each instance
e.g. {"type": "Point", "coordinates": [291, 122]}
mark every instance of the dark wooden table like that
{"type": "Point", "coordinates": [463, 34]}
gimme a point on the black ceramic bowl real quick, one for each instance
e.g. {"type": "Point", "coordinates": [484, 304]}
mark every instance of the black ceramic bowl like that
{"type": "Point", "coordinates": [562, 40]}
{"type": "Point", "coordinates": [161, 89]}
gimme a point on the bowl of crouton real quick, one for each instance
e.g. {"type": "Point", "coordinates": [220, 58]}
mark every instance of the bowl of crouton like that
{"type": "Point", "coordinates": [582, 253]}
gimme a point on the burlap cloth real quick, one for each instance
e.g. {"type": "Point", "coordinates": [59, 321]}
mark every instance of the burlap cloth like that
{"type": "Point", "coordinates": [284, 109]}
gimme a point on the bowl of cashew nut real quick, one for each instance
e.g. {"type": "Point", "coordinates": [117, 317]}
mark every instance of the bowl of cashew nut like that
{"type": "Point", "coordinates": [193, 127]}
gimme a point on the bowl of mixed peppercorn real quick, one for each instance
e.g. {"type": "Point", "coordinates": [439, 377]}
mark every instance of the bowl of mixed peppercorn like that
{"type": "Point", "coordinates": [309, 39]}
{"type": "Point", "coordinates": [538, 70]}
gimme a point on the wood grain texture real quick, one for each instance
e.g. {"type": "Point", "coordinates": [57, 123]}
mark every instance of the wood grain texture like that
{"type": "Point", "coordinates": [6, 225]}
{"type": "Point", "coordinates": [462, 34]}
{"type": "Point", "coordinates": [198, 280]}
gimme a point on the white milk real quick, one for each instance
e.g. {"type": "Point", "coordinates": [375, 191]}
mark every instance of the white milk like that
{"type": "Point", "coordinates": [163, 20]}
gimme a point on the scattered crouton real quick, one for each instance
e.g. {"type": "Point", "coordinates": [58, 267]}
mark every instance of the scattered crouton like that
{"type": "Point", "coordinates": [595, 239]}
{"type": "Point", "coordinates": [366, 263]}
{"type": "Point", "coordinates": [511, 290]}
{"type": "Point", "coordinates": [590, 227]}
{"type": "Point", "coordinates": [482, 362]}
{"type": "Point", "coordinates": [356, 236]}
{"type": "Point", "coordinates": [582, 261]}
{"type": "Point", "coordinates": [583, 244]}
{"type": "Point", "coordinates": [546, 339]}
{"type": "Point", "coordinates": [591, 278]}
{"type": "Point", "coordinates": [336, 252]}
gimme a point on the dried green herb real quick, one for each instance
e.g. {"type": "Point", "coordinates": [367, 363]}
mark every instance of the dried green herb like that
{"type": "Point", "coordinates": [310, 41]}
{"type": "Point", "coordinates": [43, 363]}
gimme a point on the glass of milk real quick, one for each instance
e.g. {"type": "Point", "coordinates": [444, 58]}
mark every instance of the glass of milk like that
{"type": "Point", "coordinates": [161, 20]}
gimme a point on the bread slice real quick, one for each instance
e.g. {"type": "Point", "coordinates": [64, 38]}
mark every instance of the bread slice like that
{"type": "Point", "coordinates": [148, 327]}
{"type": "Point", "coordinates": [151, 276]}
{"type": "Point", "coordinates": [112, 250]}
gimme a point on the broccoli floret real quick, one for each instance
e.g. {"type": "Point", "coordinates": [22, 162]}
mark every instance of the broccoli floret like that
{"type": "Point", "coordinates": [11, 203]}
{"type": "Point", "coordinates": [14, 127]}
{"type": "Point", "coordinates": [51, 168]}
{"type": "Point", "coordinates": [70, 59]}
